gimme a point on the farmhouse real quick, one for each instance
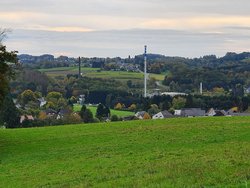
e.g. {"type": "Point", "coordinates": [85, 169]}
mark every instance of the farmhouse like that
{"type": "Point", "coordinates": [26, 117]}
{"type": "Point", "coordinates": [162, 115]}
{"type": "Point", "coordinates": [212, 112]}
{"type": "Point", "coordinates": [141, 115]}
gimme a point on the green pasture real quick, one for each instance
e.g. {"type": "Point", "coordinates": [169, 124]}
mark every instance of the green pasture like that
{"type": "Point", "coordinates": [119, 113]}
{"type": "Point", "coordinates": [97, 73]}
{"type": "Point", "coordinates": [184, 152]}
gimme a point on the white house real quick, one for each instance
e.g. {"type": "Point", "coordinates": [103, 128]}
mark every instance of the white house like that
{"type": "Point", "coordinates": [162, 115]}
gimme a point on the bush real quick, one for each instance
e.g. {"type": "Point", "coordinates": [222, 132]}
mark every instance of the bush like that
{"type": "Point", "coordinates": [114, 118]}
{"type": "Point", "coordinates": [96, 120]}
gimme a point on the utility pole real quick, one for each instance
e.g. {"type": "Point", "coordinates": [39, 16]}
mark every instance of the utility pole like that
{"type": "Point", "coordinates": [145, 71]}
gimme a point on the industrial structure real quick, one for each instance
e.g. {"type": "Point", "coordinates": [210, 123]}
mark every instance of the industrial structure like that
{"type": "Point", "coordinates": [145, 72]}
{"type": "Point", "coordinates": [79, 64]}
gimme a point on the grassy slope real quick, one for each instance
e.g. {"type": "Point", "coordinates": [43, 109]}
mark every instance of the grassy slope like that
{"type": "Point", "coordinates": [119, 113]}
{"type": "Point", "coordinates": [163, 153]}
{"type": "Point", "coordinates": [93, 73]}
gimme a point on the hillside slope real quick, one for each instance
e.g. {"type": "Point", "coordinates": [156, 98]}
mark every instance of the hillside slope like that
{"type": "Point", "coordinates": [165, 153]}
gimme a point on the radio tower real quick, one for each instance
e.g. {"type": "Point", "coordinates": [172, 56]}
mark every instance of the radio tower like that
{"type": "Point", "coordinates": [79, 67]}
{"type": "Point", "coordinates": [145, 72]}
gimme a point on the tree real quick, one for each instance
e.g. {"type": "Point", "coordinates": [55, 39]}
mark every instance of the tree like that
{"type": "Point", "coordinates": [27, 96]}
{"type": "Point", "coordinates": [114, 118]}
{"type": "Point", "coordinates": [6, 72]}
{"type": "Point", "coordinates": [86, 114]}
{"type": "Point", "coordinates": [146, 116]}
{"type": "Point", "coordinates": [118, 106]}
{"type": "Point", "coordinates": [42, 116]}
{"type": "Point", "coordinates": [9, 114]}
{"type": "Point", "coordinates": [72, 118]}
{"type": "Point", "coordinates": [179, 102]}
{"type": "Point", "coordinates": [56, 101]}
{"type": "Point", "coordinates": [132, 107]}
{"type": "Point", "coordinates": [154, 109]}
{"type": "Point", "coordinates": [102, 111]}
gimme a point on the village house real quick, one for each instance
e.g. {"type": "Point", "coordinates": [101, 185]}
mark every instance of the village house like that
{"type": "Point", "coordinates": [141, 114]}
{"type": "Point", "coordinates": [26, 117]}
{"type": "Point", "coordinates": [212, 112]}
{"type": "Point", "coordinates": [192, 112]}
{"type": "Point", "coordinates": [162, 115]}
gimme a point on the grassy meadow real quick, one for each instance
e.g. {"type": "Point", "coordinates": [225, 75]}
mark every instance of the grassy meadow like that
{"type": "Point", "coordinates": [93, 109]}
{"type": "Point", "coordinates": [184, 152]}
{"type": "Point", "coordinates": [96, 73]}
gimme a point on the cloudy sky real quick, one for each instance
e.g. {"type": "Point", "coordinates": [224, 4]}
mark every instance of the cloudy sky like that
{"type": "Point", "coordinates": [109, 28]}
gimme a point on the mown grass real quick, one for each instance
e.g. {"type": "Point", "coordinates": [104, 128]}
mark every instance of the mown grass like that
{"type": "Point", "coordinates": [191, 152]}
{"type": "Point", "coordinates": [93, 109]}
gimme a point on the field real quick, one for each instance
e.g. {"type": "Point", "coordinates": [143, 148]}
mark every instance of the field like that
{"type": "Point", "coordinates": [119, 113]}
{"type": "Point", "coordinates": [96, 73]}
{"type": "Point", "coordinates": [197, 152]}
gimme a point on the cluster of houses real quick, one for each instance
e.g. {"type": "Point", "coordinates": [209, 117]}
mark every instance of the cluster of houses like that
{"type": "Point", "coordinates": [49, 113]}
{"type": "Point", "coordinates": [191, 112]}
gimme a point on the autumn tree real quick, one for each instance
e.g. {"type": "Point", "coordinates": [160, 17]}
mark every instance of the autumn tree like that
{"type": "Point", "coordinates": [118, 106]}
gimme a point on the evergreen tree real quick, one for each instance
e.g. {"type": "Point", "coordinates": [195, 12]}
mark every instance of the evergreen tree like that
{"type": "Point", "coordinates": [86, 114]}
{"type": "Point", "coordinates": [9, 114]}
{"type": "Point", "coordinates": [102, 111]}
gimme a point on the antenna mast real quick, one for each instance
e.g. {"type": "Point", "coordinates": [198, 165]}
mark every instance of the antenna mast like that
{"type": "Point", "coordinates": [201, 88]}
{"type": "Point", "coordinates": [145, 71]}
{"type": "Point", "coordinates": [79, 64]}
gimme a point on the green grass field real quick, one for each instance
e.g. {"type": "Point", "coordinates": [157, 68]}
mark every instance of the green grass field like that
{"type": "Point", "coordinates": [95, 73]}
{"type": "Point", "coordinates": [190, 152]}
{"type": "Point", "coordinates": [119, 113]}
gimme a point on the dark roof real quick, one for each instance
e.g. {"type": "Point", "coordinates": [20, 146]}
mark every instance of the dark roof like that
{"type": "Point", "coordinates": [220, 113]}
{"type": "Point", "coordinates": [142, 113]}
{"type": "Point", "coordinates": [166, 114]}
{"type": "Point", "coordinates": [64, 111]}
{"type": "Point", "coordinates": [50, 111]}
{"type": "Point", "coordinates": [192, 112]}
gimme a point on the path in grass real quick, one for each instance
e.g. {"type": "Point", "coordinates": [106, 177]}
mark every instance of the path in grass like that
{"type": "Point", "coordinates": [191, 152]}
{"type": "Point", "coordinates": [119, 113]}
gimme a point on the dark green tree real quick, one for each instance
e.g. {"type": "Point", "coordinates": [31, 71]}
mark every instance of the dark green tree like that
{"type": "Point", "coordinates": [102, 111]}
{"type": "Point", "coordinates": [86, 115]}
{"type": "Point", "coordinates": [6, 73]}
{"type": "Point", "coordinates": [9, 114]}
{"type": "Point", "coordinates": [114, 118]}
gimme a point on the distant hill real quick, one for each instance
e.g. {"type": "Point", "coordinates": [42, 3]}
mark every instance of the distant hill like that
{"type": "Point", "coordinates": [26, 58]}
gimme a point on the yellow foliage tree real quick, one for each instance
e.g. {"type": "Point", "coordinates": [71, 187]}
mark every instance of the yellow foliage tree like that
{"type": "Point", "coordinates": [132, 107]}
{"type": "Point", "coordinates": [146, 116]}
{"type": "Point", "coordinates": [42, 116]}
{"type": "Point", "coordinates": [118, 106]}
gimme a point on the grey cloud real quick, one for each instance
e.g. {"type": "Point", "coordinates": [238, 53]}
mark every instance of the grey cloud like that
{"type": "Point", "coordinates": [127, 42]}
{"type": "Point", "coordinates": [138, 8]}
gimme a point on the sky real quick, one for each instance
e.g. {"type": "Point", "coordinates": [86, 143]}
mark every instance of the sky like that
{"type": "Point", "coordinates": [111, 28]}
